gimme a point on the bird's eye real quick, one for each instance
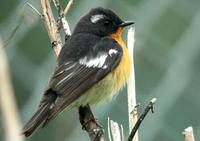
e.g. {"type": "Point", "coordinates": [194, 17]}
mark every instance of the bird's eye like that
{"type": "Point", "coordinates": [106, 22]}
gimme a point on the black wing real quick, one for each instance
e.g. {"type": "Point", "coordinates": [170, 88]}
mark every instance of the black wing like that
{"type": "Point", "coordinates": [73, 78]}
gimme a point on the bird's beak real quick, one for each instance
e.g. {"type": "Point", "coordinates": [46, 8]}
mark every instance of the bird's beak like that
{"type": "Point", "coordinates": [126, 23]}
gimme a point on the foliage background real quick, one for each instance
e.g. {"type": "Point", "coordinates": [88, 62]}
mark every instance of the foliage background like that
{"type": "Point", "coordinates": [167, 65]}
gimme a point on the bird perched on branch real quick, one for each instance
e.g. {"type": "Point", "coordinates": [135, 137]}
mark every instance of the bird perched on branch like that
{"type": "Point", "coordinates": [93, 65]}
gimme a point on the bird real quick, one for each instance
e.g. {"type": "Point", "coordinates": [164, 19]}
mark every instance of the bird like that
{"type": "Point", "coordinates": [94, 65]}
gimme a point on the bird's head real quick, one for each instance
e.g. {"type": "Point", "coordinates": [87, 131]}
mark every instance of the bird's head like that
{"type": "Point", "coordinates": [101, 22]}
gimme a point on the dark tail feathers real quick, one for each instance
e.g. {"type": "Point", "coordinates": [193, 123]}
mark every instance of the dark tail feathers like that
{"type": "Point", "coordinates": [41, 114]}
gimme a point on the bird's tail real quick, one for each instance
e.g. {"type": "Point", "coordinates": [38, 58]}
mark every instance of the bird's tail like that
{"type": "Point", "coordinates": [41, 114]}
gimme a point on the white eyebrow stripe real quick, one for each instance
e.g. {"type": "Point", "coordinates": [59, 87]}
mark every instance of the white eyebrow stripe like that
{"type": "Point", "coordinates": [94, 62]}
{"type": "Point", "coordinates": [96, 18]}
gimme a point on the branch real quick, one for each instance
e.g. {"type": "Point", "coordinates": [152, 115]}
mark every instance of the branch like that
{"type": "Point", "coordinates": [188, 134]}
{"type": "Point", "coordinates": [51, 26]}
{"type": "Point", "coordinates": [8, 105]}
{"type": "Point", "coordinates": [90, 124]}
{"type": "Point", "coordinates": [132, 110]}
{"type": "Point", "coordinates": [34, 9]}
{"type": "Point", "coordinates": [141, 118]}
{"type": "Point", "coordinates": [115, 132]}
{"type": "Point", "coordinates": [62, 20]}
{"type": "Point", "coordinates": [68, 7]}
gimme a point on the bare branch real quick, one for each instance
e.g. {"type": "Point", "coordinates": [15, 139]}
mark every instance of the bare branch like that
{"type": "Point", "coordinates": [131, 84]}
{"type": "Point", "coordinates": [89, 124]}
{"type": "Point", "coordinates": [115, 132]}
{"type": "Point", "coordinates": [51, 26]}
{"type": "Point", "coordinates": [34, 9]}
{"type": "Point", "coordinates": [122, 133]}
{"type": "Point", "coordinates": [8, 105]}
{"type": "Point", "coordinates": [141, 118]}
{"type": "Point", "coordinates": [188, 134]}
{"type": "Point", "coordinates": [62, 18]}
{"type": "Point", "coordinates": [68, 7]}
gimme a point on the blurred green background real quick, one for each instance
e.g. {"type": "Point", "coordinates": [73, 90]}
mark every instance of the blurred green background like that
{"type": "Point", "coordinates": [167, 54]}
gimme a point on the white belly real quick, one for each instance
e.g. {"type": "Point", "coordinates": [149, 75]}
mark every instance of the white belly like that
{"type": "Point", "coordinates": [100, 92]}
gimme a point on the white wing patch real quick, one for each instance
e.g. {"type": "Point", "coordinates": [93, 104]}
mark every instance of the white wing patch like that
{"type": "Point", "coordinates": [96, 18]}
{"type": "Point", "coordinates": [94, 62]}
{"type": "Point", "coordinates": [112, 51]}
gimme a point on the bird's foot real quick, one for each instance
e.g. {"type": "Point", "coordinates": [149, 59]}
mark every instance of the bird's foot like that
{"type": "Point", "coordinates": [96, 133]}
{"type": "Point", "coordinates": [91, 122]}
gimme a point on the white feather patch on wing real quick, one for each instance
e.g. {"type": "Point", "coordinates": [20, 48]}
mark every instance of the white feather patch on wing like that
{"type": "Point", "coordinates": [112, 51]}
{"type": "Point", "coordinates": [96, 18]}
{"type": "Point", "coordinates": [94, 62]}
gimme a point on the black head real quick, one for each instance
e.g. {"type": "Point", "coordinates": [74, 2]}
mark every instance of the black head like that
{"type": "Point", "coordinates": [101, 22]}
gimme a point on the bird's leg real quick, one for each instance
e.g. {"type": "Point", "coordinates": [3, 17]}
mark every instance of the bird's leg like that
{"type": "Point", "coordinates": [98, 123]}
{"type": "Point", "coordinates": [89, 123]}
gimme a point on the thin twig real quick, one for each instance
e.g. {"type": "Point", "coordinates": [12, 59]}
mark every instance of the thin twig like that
{"type": "Point", "coordinates": [122, 132]}
{"type": "Point", "coordinates": [131, 84]}
{"type": "Point", "coordinates": [68, 7]}
{"type": "Point", "coordinates": [109, 130]}
{"type": "Point", "coordinates": [141, 118]}
{"type": "Point", "coordinates": [18, 25]}
{"type": "Point", "coordinates": [14, 32]}
{"type": "Point", "coordinates": [8, 105]}
{"type": "Point", "coordinates": [188, 134]}
{"type": "Point", "coordinates": [34, 9]}
{"type": "Point", "coordinates": [62, 18]}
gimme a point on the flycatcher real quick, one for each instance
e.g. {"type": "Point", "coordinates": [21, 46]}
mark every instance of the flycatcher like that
{"type": "Point", "coordinates": [93, 65]}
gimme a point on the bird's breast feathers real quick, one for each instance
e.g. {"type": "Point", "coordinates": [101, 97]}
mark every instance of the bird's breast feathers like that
{"type": "Point", "coordinates": [122, 72]}
{"type": "Point", "coordinates": [112, 83]}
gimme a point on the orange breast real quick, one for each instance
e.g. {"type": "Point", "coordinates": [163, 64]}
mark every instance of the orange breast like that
{"type": "Point", "coordinates": [122, 72]}
{"type": "Point", "coordinates": [113, 82]}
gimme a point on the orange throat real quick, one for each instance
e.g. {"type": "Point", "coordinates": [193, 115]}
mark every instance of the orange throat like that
{"type": "Point", "coordinates": [122, 72]}
{"type": "Point", "coordinates": [118, 34]}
